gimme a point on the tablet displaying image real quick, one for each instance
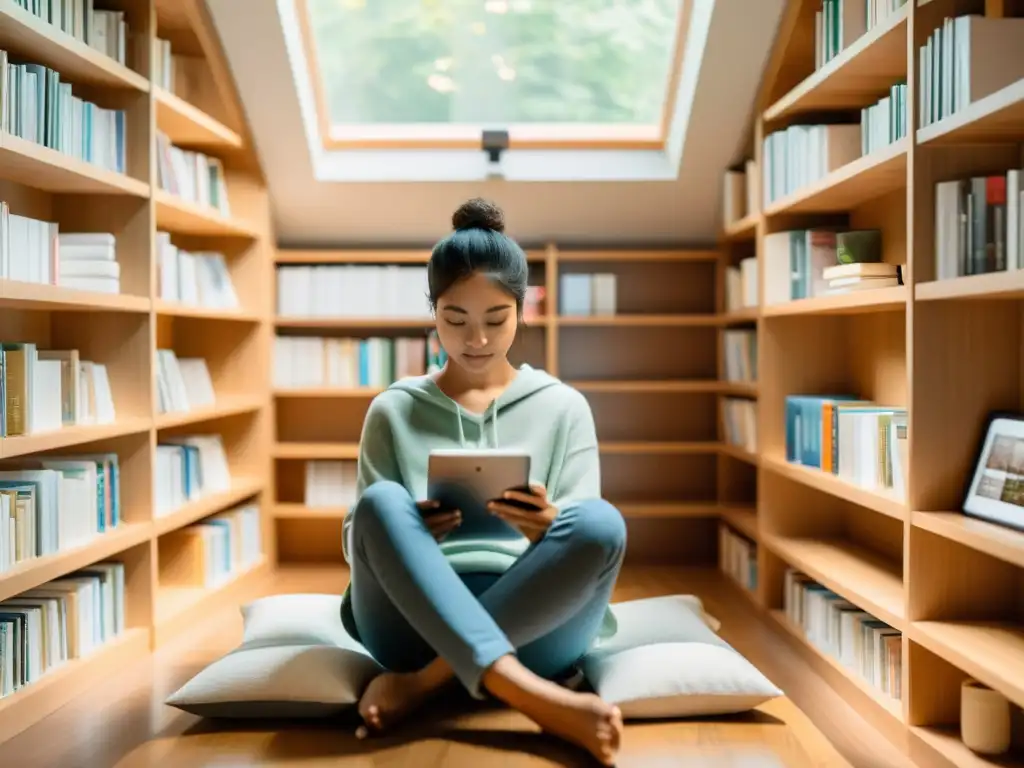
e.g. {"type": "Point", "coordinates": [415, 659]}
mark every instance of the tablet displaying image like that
{"type": "Point", "coordinates": [996, 492]}
{"type": "Point", "coordinates": [467, 479]}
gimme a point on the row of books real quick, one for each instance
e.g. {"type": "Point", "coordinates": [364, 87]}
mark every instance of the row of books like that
{"type": "Point", "coordinates": [800, 155]}
{"type": "Point", "coordinates": [182, 384]}
{"type": "Point", "coordinates": [805, 263]}
{"type": "Point", "coordinates": [47, 389]}
{"type": "Point", "coordinates": [740, 419]}
{"type": "Point", "coordinates": [213, 551]}
{"type": "Point", "coordinates": [884, 122]}
{"type": "Point", "coordinates": [978, 225]}
{"type": "Point", "coordinates": [50, 504]}
{"type": "Point", "coordinates": [861, 442]}
{"type": "Point", "coordinates": [191, 175]}
{"type": "Point", "coordinates": [39, 107]}
{"type": "Point", "coordinates": [62, 620]}
{"type": "Point", "coordinates": [740, 195]}
{"type": "Point", "coordinates": [377, 361]}
{"type": "Point", "coordinates": [36, 251]}
{"type": "Point", "coordinates": [196, 278]}
{"type": "Point", "coordinates": [737, 557]}
{"type": "Point", "coordinates": [741, 285]}
{"type": "Point", "coordinates": [102, 30]}
{"type": "Point", "coordinates": [162, 75]}
{"type": "Point", "coordinates": [967, 58]}
{"type": "Point", "coordinates": [838, 24]}
{"type": "Point", "coordinates": [739, 351]}
{"type": "Point", "coordinates": [330, 483]}
{"type": "Point", "coordinates": [188, 467]}
{"type": "Point", "coordinates": [587, 294]}
{"type": "Point", "coordinates": [352, 290]}
{"type": "Point", "coordinates": [866, 646]}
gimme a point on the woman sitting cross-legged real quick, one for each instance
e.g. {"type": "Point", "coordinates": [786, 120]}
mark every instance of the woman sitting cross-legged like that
{"type": "Point", "coordinates": [510, 616]}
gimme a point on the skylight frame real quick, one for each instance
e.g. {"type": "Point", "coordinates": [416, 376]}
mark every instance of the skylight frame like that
{"type": "Point", "coordinates": [560, 136]}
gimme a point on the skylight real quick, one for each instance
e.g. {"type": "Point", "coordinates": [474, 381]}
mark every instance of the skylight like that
{"type": "Point", "coordinates": [555, 73]}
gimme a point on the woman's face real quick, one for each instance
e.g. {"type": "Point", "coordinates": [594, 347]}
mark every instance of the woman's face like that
{"type": "Point", "coordinates": [476, 323]}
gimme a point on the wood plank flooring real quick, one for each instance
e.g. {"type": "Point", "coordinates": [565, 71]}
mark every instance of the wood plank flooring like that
{"type": "Point", "coordinates": [125, 724]}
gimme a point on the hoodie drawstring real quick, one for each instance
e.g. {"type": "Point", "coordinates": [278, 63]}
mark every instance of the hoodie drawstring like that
{"type": "Point", "coordinates": [492, 411]}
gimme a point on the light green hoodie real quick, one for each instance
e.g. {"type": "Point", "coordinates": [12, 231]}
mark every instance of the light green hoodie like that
{"type": "Point", "coordinates": [537, 413]}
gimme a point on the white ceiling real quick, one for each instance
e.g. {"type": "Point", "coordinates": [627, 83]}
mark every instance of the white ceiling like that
{"type": "Point", "coordinates": [309, 212]}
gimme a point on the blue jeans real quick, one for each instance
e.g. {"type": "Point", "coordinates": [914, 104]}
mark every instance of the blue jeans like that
{"type": "Point", "coordinates": [409, 605]}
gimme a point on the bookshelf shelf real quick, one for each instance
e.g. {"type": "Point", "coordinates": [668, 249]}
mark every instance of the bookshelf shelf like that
{"type": "Point", "coordinates": [302, 512]}
{"type": "Point", "coordinates": [173, 309]}
{"type": "Point", "coordinates": [946, 742]}
{"type": "Point", "coordinates": [881, 502]}
{"type": "Point", "coordinates": [739, 453]}
{"type": "Point", "coordinates": [856, 572]}
{"type": "Point", "coordinates": [638, 320]}
{"type": "Point", "coordinates": [337, 451]}
{"type": "Point", "coordinates": [242, 488]}
{"type": "Point", "coordinates": [743, 229]}
{"type": "Point", "coordinates": [992, 539]}
{"type": "Point", "coordinates": [377, 323]}
{"type": "Point", "coordinates": [23, 33]}
{"type": "Point", "coordinates": [994, 285]}
{"type": "Point", "coordinates": [226, 406]}
{"type": "Point", "coordinates": [743, 519]}
{"type": "Point", "coordinates": [18, 295]}
{"type": "Point", "coordinates": [740, 316]}
{"type": "Point", "coordinates": [997, 117]}
{"type": "Point", "coordinates": [123, 333]}
{"type": "Point", "coordinates": [177, 215]}
{"type": "Point", "coordinates": [321, 392]}
{"type": "Point", "coordinates": [43, 168]}
{"type": "Point", "coordinates": [620, 257]}
{"type": "Point", "coordinates": [37, 571]}
{"type": "Point", "coordinates": [856, 77]}
{"type": "Point", "coordinates": [653, 447]}
{"type": "Point", "coordinates": [638, 387]}
{"type": "Point", "coordinates": [992, 652]}
{"type": "Point", "coordinates": [71, 436]}
{"type": "Point", "coordinates": [639, 509]}
{"type": "Point", "coordinates": [853, 303]}
{"type": "Point", "coordinates": [856, 183]}
{"type": "Point", "coordinates": [187, 126]}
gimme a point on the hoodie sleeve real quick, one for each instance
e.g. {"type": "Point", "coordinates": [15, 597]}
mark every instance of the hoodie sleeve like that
{"type": "Point", "coordinates": [376, 459]}
{"type": "Point", "coordinates": [580, 477]}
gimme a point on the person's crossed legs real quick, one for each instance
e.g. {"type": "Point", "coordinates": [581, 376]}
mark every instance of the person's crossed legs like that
{"type": "Point", "coordinates": [420, 619]}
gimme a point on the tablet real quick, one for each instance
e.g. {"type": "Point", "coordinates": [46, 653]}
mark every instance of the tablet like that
{"type": "Point", "coordinates": [466, 479]}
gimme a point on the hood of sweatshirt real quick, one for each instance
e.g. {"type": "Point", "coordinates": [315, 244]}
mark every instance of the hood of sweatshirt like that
{"type": "Point", "coordinates": [479, 430]}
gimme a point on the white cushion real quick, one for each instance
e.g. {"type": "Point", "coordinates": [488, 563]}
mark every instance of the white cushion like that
{"type": "Point", "coordinates": [665, 660]}
{"type": "Point", "coordinates": [672, 680]}
{"type": "Point", "coordinates": [295, 660]}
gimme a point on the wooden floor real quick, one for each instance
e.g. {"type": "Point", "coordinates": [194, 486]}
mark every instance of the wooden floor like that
{"type": "Point", "coordinates": [126, 725]}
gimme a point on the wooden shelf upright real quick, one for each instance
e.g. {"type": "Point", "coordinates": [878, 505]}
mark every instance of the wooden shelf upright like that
{"type": "Point", "coordinates": [655, 413]}
{"type": "Point", "coordinates": [949, 351]}
{"type": "Point", "coordinates": [124, 331]}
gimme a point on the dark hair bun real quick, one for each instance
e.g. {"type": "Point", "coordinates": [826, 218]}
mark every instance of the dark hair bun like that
{"type": "Point", "coordinates": [479, 214]}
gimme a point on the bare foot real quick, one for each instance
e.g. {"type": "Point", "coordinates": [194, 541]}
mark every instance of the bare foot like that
{"type": "Point", "coordinates": [586, 720]}
{"type": "Point", "coordinates": [392, 696]}
{"type": "Point", "coordinates": [583, 719]}
{"type": "Point", "coordinates": [389, 698]}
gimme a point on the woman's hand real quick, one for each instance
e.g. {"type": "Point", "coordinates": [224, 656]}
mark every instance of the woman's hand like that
{"type": "Point", "coordinates": [439, 524]}
{"type": "Point", "coordinates": [532, 522]}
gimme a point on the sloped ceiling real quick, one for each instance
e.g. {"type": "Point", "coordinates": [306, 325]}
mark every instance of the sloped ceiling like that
{"type": "Point", "coordinates": [309, 212]}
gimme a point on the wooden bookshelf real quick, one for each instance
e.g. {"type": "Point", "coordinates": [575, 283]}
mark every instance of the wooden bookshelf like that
{"type": "Point", "coordinates": [125, 330]}
{"type": "Point", "coordinates": [949, 351]}
{"type": "Point", "coordinates": [656, 414]}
